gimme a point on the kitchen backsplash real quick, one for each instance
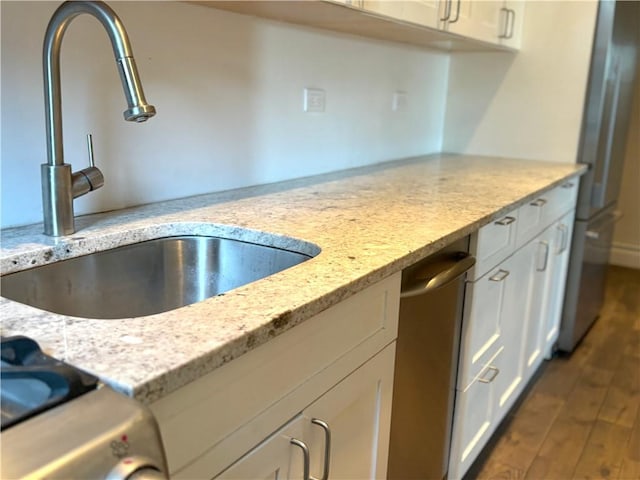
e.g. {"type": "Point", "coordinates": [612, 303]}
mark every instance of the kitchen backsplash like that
{"type": "Point", "coordinates": [229, 95]}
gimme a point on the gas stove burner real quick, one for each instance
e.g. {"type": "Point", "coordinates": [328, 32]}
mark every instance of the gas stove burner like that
{"type": "Point", "coordinates": [33, 382]}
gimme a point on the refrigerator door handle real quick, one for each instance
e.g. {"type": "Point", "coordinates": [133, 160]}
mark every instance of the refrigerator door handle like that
{"type": "Point", "coordinates": [594, 234]}
{"type": "Point", "coordinates": [598, 193]}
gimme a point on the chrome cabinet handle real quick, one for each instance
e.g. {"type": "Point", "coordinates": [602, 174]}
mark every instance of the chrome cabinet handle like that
{"type": "Point", "coordinates": [509, 23]}
{"type": "Point", "coordinates": [545, 245]}
{"type": "Point", "coordinates": [505, 221]}
{"type": "Point", "coordinates": [539, 202]}
{"type": "Point", "coordinates": [457, 17]}
{"type": "Point", "coordinates": [305, 456]}
{"type": "Point", "coordinates": [567, 185]}
{"type": "Point", "coordinates": [513, 23]}
{"type": "Point", "coordinates": [447, 11]}
{"type": "Point", "coordinates": [564, 231]}
{"type": "Point", "coordinates": [327, 447]}
{"type": "Point", "coordinates": [500, 276]}
{"type": "Point", "coordinates": [495, 371]}
{"type": "Point", "coordinates": [506, 22]}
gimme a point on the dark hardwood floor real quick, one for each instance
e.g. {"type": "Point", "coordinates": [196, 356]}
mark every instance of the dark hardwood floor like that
{"type": "Point", "coordinates": [580, 418]}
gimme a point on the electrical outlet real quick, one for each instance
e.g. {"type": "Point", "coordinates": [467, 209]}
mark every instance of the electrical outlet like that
{"type": "Point", "coordinates": [400, 101]}
{"type": "Point", "coordinates": [315, 100]}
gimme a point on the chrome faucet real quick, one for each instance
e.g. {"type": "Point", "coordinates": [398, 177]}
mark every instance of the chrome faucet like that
{"type": "Point", "coordinates": [59, 184]}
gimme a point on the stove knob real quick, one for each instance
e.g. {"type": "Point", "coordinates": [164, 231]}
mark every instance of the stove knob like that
{"type": "Point", "coordinates": [147, 473]}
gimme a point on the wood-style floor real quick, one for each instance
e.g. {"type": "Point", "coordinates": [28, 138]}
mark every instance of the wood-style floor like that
{"type": "Point", "coordinates": [580, 418]}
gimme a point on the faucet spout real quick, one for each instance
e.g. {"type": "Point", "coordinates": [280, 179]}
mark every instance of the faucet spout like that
{"type": "Point", "coordinates": [58, 181]}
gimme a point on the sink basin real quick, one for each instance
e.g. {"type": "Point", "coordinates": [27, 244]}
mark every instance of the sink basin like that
{"type": "Point", "coordinates": [145, 278]}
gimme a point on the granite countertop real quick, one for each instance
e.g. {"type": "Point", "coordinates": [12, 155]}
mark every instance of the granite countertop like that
{"type": "Point", "coordinates": [369, 223]}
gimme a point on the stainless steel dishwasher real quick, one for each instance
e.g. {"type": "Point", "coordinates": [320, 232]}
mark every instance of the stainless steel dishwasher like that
{"type": "Point", "coordinates": [426, 364]}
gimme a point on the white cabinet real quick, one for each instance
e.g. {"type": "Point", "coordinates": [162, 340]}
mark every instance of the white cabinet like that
{"type": "Point", "coordinates": [208, 424]}
{"type": "Point", "coordinates": [355, 417]}
{"type": "Point", "coordinates": [274, 459]}
{"type": "Point", "coordinates": [497, 22]}
{"type": "Point", "coordinates": [562, 232]}
{"type": "Point", "coordinates": [493, 243]}
{"type": "Point", "coordinates": [474, 417]}
{"type": "Point", "coordinates": [513, 301]}
{"type": "Point", "coordinates": [422, 12]}
{"type": "Point", "coordinates": [465, 25]}
{"type": "Point", "coordinates": [475, 19]}
{"type": "Point", "coordinates": [538, 253]}
{"type": "Point", "coordinates": [425, 13]}
{"type": "Point", "coordinates": [511, 23]}
{"type": "Point", "coordinates": [384, 7]}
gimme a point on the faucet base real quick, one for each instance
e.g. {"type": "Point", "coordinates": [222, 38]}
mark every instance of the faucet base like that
{"type": "Point", "coordinates": [57, 199]}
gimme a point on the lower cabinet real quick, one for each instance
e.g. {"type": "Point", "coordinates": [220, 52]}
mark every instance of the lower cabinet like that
{"type": "Point", "coordinates": [336, 367]}
{"type": "Point", "coordinates": [342, 435]}
{"type": "Point", "coordinates": [474, 417]}
{"type": "Point", "coordinates": [511, 322]}
{"type": "Point", "coordinates": [559, 254]}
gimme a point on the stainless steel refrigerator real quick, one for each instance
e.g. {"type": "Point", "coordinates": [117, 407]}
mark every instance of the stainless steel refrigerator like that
{"type": "Point", "coordinates": [603, 141]}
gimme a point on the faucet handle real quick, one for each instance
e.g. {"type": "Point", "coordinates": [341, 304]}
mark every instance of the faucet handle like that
{"type": "Point", "coordinates": [90, 149]}
{"type": "Point", "coordinates": [87, 179]}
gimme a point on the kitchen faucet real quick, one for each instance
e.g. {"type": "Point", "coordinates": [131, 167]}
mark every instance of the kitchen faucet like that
{"type": "Point", "coordinates": [59, 184]}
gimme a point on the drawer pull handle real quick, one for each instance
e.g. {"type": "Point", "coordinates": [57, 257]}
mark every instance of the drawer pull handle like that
{"type": "Point", "coordinates": [564, 242]}
{"type": "Point", "coordinates": [494, 370]}
{"type": "Point", "coordinates": [305, 456]}
{"type": "Point", "coordinates": [539, 202]}
{"type": "Point", "coordinates": [498, 277]}
{"type": "Point", "coordinates": [327, 447]}
{"type": "Point", "coordinates": [447, 11]}
{"type": "Point", "coordinates": [568, 185]}
{"type": "Point", "coordinates": [506, 221]}
{"type": "Point", "coordinates": [544, 245]}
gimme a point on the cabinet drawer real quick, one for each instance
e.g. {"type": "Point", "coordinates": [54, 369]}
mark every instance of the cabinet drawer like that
{"type": "Point", "coordinates": [474, 419]}
{"type": "Point", "coordinates": [481, 327]}
{"type": "Point", "coordinates": [532, 217]}
{"type": "Point", "coordinates": [539, 213]}
{"type": "Point", "coordinates": [493, 243]}
{"type": "Point", "coordinates": [203, 413]}
{"type": "Point", "coordinates": [562, 199]}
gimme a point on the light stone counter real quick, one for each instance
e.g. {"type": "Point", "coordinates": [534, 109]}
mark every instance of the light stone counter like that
{"type": "Point", "coordinates": [368, 223]}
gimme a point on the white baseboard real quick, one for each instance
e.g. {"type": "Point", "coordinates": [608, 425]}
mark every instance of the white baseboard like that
{"type": "Point", "coordinates": [625, 255]}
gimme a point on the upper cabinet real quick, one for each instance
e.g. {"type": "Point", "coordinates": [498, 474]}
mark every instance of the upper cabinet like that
{"type": "Point", "coordinates": [497, 22]}
{"type": "Point", "coordinates": [453, 25]}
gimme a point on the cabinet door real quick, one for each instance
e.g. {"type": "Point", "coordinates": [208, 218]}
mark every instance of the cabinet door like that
{"type": "Point", "coordinates": [513, 320]}
{"type": "Point", "coordinates": [511, 23]}
{"type": "Point", "coordinates": [277, 458]}
{"type": "Point", "coordinates": [393, 9]}
{"type": "Point", "coordinates": [481, 326]}
{"type": "Point", "coordinates": [422, 12]}
{"type": "Point", "coordinates": [478, 19]}
{"type": "Point", "coordinates": [345, 431]}
{"type": "Point", "coordinates": [358, 413]}
{"type": "Point", "coordinates": [474, 418]}
{"type": "Point", "coordinates": [561, 231]}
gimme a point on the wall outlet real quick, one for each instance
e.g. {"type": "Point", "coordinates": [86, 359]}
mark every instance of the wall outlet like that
{"type": "Point", "coordinates": [400, 101]}
{"type": "Point", "coordinates": [315, 100]}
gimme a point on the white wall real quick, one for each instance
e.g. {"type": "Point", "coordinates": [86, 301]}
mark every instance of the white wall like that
{"type": "Point", "coordinates": [527, 105]}
{"type": "Point", "coordinates": [625, 250]}
{"type": "Point", "coordinates": [228, 90]}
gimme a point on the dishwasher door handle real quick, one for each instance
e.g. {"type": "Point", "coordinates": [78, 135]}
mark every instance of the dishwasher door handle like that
{"type": "Point", "coordinates": [437, 273]}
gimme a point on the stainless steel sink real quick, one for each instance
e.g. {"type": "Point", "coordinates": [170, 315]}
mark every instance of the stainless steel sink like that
{"type": "Point", "coordinates": [146, 278]}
